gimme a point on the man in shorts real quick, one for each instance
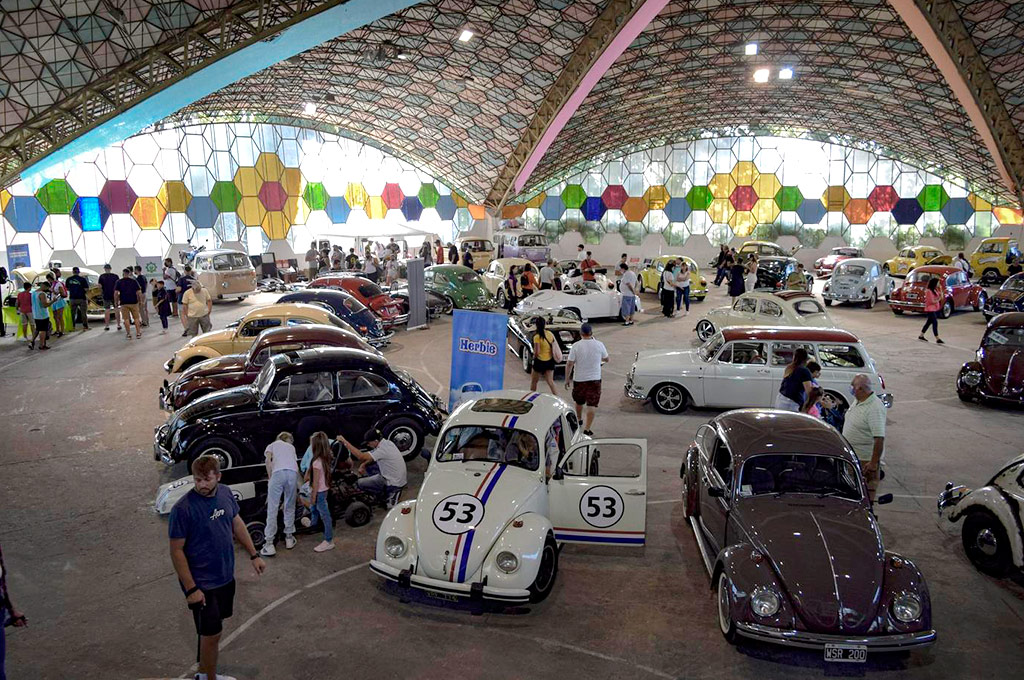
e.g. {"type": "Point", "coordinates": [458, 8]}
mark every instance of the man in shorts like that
{"type": "Point", "coordinates": [583, 370]}
{"type": "Point", "coordinates": [628, 284]}
{"type": "Point", "coordinates": [196, 305]}
{"type": "Point", "coordinates": [108, 281]}
{"type": "Point", "coordinates": [203, 525]}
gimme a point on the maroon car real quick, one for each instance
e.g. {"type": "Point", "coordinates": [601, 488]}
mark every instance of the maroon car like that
{"type": "Point", "coordinates": [824, 266]}
{"type": "Point", "coordinates": [997, 372]}
{"type": "Point", "coordinates": [233, 370]}
{"type": "Point", "coordinates": [955, 289]}
{"type": "Point", "coordinates": [385, 307]}
{"type": "Point", "coordinates": [783, 523]}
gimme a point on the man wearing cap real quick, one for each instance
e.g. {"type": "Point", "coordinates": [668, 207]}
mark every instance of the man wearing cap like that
{"type": "Point", "coordinates": [392, 477]}
{"type": "Point", "coordinates": [583, 370]}
{"type": "Point", "coordinates": [108, 281]}
{"type": "Point", "coordinates": [78, 287]}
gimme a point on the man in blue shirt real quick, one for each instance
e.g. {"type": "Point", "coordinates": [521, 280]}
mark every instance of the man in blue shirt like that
{"type": "Point", "coordinates": [202, 525]}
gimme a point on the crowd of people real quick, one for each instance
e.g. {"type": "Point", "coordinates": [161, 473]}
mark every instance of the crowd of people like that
{"type": "Point", "coordinates": [380, 263]}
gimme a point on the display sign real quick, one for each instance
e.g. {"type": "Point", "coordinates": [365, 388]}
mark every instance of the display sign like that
{"type": "Point", "coordinates": [417, 294]}
{"type": "Point", "coordinates": [18, 256]}
{"type": "Point", "coordinates": [478, 354]}
{"type": "Point", "coordinates": [151, 266]}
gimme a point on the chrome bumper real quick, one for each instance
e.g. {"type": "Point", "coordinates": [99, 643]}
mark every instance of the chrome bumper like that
{"type": "Point", "coordinates": [908, 306]}
{"type": "Point", "coordinates": [165, 397]}
{"type": "Point", "coordinates": [633, 392]}
{"type": "Point", "coordinates": [168, 365]}
{"type": "Point", "coordinates": [807, 640]}
{"type": "Point", "coordinates": [382, 341]}
{"type": "Point", "coordinates": [829, 295]}
{"type": "Point", "coordinates": [887, 399]}
{"type": "Point", "coordinates": [396, 320]}
{"type": "Point", "coordinates": [469, 591]}
{"type": "Point", "coordinates": [159, 452]}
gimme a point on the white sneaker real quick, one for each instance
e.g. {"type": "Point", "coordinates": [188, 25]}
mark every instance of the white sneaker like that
{"type": "Point", "coordinates": [268, 549]}
{"type": "Point", "coordinates": [289, 541]}
{"type": "Point", "coordinates": [324, 547]}
{"type": "Point", "coordinates": [306, 522]}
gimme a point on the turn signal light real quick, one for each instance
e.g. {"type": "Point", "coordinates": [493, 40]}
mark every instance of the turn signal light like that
{"type": "Point", "coordinates": [518, 524]}
{"type": "Point", "coordinates": [406, 511]}
{"type": "Point", "coordinates": [896, 562]}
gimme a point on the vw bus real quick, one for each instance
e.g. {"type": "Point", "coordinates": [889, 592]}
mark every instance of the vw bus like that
{"type": "Point", "coordinates": [225, 273]}
{"type": "Point", "coordinates": [529, 245]}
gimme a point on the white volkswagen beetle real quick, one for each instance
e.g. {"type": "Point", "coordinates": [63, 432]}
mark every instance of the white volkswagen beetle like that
{"type": "Point", "coordinates": [597, 299]}
{"type": "Point", "coordinates": [511, 477]}
{"type": "Point", "coordinates": [756, 308]}
{"type": "Point", "coordinates": [858, 279]}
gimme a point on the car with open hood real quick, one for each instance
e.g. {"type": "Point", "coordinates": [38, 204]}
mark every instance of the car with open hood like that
{"type": "Point", "coordinates": [36, 275]}
{"type": "Point", "coordinates": [764, 249]}
{"type": "Point", "coordinates": [650, 276]}
{"type": "Point", "coordinates": [232, 370]}
{"type": "Point", "coordinates": [462, 286]}
{"type": "Point", "coordinates": [512, 477]}
{"type": "Point", "coordinates": [760, 308]}
{"type": "Point", "coordinates": [993, 516]}
{"type": "Point", "coordinates": [824, 266]}
{"type": "Point", "coordinates": [239, 335]}
{"type": "Point", "coordinates": [912, 257]}
{"type": "Point", "coordinates": [436, 305]}
{"type": "Point", "coordinates": [561, 323]}
{"type": "Point", "coordinates": [348, 308]}
{"type": "Point", "coordinates": [481, 249]}
{"type": "Point", "coordinates": [333, 389]}
{"type": "Point", "coordinates": [383, 306]}
{"type": "Point", "coordinates": [773, 272]}
{"type": "Point", "coordinates": [780, 511]}
{"type": "Point", "coordinates": [743, 366]}
{"type": "Point", "coordinates": [858, 280]}
{"type": "Point", "coordinates": [955, 290]}
{"type": "Point", "coordinates": [1009, 298]}
{"type": "Point", "coordinates": [597, 299]}
{"type": "Point", "coordinates": [997, 372]}
{"type": "Point", "coordinates": [991, 260]}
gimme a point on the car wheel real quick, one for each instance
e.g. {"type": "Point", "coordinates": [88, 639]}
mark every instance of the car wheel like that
{"type": "Point", "coordinates": [358, 514]}
{"type": "Point", "coordinates": [449, 303]}
{"type": "Point", "coordinates": [990, 277]}
{"type": "Point", "coordinates": [725, 622]}
{"type": "Point", "coordinates": [527, 357]}
{"type": "Point", "coordinates": [980, 302]}
{"type": "Point", "coordinates": [407, 436]}
{"type": "Point", "coordinates": [871, 300]}
{"type": "Point", "coordinates": [986, 544]}
{"type": "Point", "coordinates": [705, 329]}
{"type": "Point", "coordinates": [828, 303]}
{"type": "Point", "coordinates": [499, 297]}
{"type": "Point", "coordinates": [947, 310]}
{"type": "Point", "coordinates": [224, 451]}
{"type": "Point", "coordinates": [576, 311]}
{"type": "Point", "coordinates": [546, 571]}
{"type": "Point", "coordinates": [669, 398]}
{"type": "Point", "coordinates": [258, 533]}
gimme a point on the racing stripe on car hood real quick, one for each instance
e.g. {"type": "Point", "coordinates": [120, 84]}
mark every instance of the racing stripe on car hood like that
{"type": "Point", "coordinates": [464, 559]}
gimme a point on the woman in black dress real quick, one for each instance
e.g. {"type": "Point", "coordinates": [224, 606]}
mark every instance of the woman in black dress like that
{"type": "Point", "coordinates": [736, 272]}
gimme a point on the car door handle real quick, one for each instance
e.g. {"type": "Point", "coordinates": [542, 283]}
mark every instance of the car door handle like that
{"type": "Point", "coordinates": [763, 370]}
{"type": "Point", "coordinates": [636, 492]}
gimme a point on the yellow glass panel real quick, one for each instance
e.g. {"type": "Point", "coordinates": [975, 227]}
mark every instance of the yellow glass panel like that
{"type": "Point", "coordinates": [765, 210]}
{"type": "Point", "coordinates": [248, 183]}
{"type": "Point", "coordinates": [634, 209]}
{"type": "Point", "coordinates": [743, 223]}
{"type": "Point", "coordinates": [1007, 215]}
{"type": "Point", "coordinates": [293, 182]}
{"type": "Point", "coordinates": [721, 210]}
{"type": "Point", "coordinates": [478, 212]}
{"type": "Point", "coordinates": [174, 196]}
{"type": "Point", "coordinates": [251, 211]}
{"type": "Point", "coordinates": [979, 203]}
{"type": "Point", "coordinates": [835, 198]}
{"type": "Point", "coordinates": [767, 185]}
{"type": "Point", "coordinates": [148, 212]}
{"type": "Point", "coordinates": [5, 196]}
{"type": "Point", "coordinates": [722, 185]}
{"type": "Point", "coordinates": [355, 195]}
{"type": "Point", "coordinates": [270, 167]}
{"type": "Point", "coordinates": [296, 210]}
{"type": "Point", "coordinates": [460, 202]}
{"type": "Point", "coordinates": [375, 208]}
{"type": "Point", "coordinates": [275, 225]}
{"type": "Point", "coordinates": [536, 201]}
{"type": "Point", "coordinates": [744, 173]}
{"type": "Point", "coordinates": [656, 197]}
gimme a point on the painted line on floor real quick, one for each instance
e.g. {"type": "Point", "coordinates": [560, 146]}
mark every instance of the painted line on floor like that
{"type": "Point", "coordinates": [546, 642]}
{"type": "Point", "coordinates": [924, 401]}
{"type": "Point", "coordinates": [669, 500]}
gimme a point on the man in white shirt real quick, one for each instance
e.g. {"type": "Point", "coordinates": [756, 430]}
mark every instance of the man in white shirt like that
{"type": "Point", "coordinates": [962, 264]}
{"type": "Point", "coordinates": [547, 276]}
{"type": "Point", "coordinates": [583, 369]}
{"type": "Point", "coordinates": [581, 254]}
{"type": "Point", "coordinates": [393, 475]}
{"type": "Point", "coordinates": [627, 286]}
{"type": "Point", "coordinates": [312, 260]}
{"type": "Point", "coordinates": [864, 429]}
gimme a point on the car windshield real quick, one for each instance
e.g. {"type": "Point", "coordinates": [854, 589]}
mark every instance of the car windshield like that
{"type": "Point", "coordinates": [479, 246]}
{"type": "Point", "coordinates": [467, 277]}
{"type": "Point", "coordinates": [228, 261]}
{"type": "Point", "coordinates": [1014, 283]}
{"type": "Point", "coordinates": [494, 444]}
{"type": "Point", "coordinates": [353, 305]}
{"type": "Point", "coordinates": [850, 270]}
{"type": "Point", "coordinates": [1005, 337]}
{"type": "Point", "coordinates": [802, 473]}
{"type": "Point", "coordinates": [533, 240]}
{"type": "Point", "coordinates": [265, 378]}
{"type": "Point", "coordinates": [710, 348]}
{"type": "Point", "coordinates": [370, 290]}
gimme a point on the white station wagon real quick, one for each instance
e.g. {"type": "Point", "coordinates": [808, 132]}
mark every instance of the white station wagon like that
{"type": "Point", "coordinates": [511, 477]}
{"type": "Point", "coordinates": [743, 367]}
{"type": "Point", "coordinates": [785, 308]}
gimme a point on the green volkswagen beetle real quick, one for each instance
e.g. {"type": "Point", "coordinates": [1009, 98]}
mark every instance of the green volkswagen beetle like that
{"type": "Point", "coordinates": [461, 285]}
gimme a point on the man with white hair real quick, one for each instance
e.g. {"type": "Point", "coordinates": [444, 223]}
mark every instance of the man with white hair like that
{"type": "Point", "coordinates": [864, 428]}
{"type": "Point", "coordinates": [197, 303]}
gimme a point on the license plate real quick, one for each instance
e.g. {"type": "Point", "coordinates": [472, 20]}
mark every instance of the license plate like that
{"type": "Point", "coordinates": [846, 653]}
{"type": "Point", "coordinates": [443, 596]}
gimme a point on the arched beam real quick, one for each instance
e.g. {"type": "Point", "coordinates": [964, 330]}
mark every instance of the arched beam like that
{"type": "Point", "coordinates": [246, 38]}
{"type": "Point", "coordinates": [612, 32]}
{"type": "Point", "coordinates": [937, 26]}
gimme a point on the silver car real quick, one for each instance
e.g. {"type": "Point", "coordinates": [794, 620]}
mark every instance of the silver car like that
{"type": "Point", "coordinates": [860, 280]}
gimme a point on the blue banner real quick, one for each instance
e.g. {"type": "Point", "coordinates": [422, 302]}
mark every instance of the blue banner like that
{"type": "Point", "coordinates": [18, 256]}
{"type": "Point", "coordinates": [478, 354]}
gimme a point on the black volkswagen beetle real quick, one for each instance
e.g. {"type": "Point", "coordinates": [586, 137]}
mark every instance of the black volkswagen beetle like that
{"type": "Point", "coordinates": [337, 390]}
{"type": "Point", "coordinates": [772, 271]}
{"type": "Point", "coordinates": [1009, 298]}
{"type": "Point", "coordinates": [362, 320]}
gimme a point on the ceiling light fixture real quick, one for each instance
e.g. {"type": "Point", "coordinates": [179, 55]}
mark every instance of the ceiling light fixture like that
{"type": "Point", "coordinates": [404, 56]}
{"type": "Point", "coordinates": [309, 109]}
{"type": "Point", "coordinates": [761, 75]}
{"type": "Point", "coordinates": [750, 49]}
{"type": "Point", "coordinates": [786, 74]}
{"type": "Point", "coordinates": [466, 35]}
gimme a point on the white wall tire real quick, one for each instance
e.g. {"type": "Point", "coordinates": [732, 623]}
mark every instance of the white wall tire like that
{"type": "Point", "coordinates": [724, 606]}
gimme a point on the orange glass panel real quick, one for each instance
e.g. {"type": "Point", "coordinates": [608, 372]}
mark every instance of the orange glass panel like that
{"type": "Point", "coordinates": [477, 212]}
{"type": "Point", "coordinates": [1007, 215]}
{"type": "Point", "coordinates": [511, 212]}
{"type": "Point", "coordinates": [536, 201]}
{"type": "Point", "coordinates": [634, 209]}
{"type": "Point", "coordinates": [859, 210]}
{"type": "Point", "coordinates": [148, 212]}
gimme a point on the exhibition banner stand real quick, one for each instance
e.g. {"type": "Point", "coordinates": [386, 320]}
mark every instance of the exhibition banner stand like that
{"type": "Point", "coordinates": [478, 354]}
{"type": "Point", "coordinates": [417, 294]}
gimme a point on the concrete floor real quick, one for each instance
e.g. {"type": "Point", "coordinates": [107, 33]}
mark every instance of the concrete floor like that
{"type": "Point", "coordinates": [88, 563]}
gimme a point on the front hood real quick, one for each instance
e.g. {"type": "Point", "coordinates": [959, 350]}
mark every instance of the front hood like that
{"type": "Point", "coordinates": [1004, 368]}
{"type": "Point", "coordinates": [474, 290]}
{"type": "Point", "coordinates": [1014, 296]}
{"type": "Point", "coordinates": [218, 403]}
{"type": "Point", "coordinates": [829, 260]}
{"type": "Point", "coordinates": [658, 361]}
{"type": "Point", "coordinates": [229, 363]}
{"type": "Point", "coordinates": [502, 489]}
{"type": "Point", "coordinates": [223, 335]}
{"type": "Point", "coordinates": [827, 555]}
{"type": "Point", "coordinates": [545, 299]}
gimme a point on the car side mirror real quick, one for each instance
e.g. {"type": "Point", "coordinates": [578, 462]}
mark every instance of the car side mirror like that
{"type": "Point", "coordinates": [716, 492]}
{"type": "Point", "coordinates": [558, 474]}
{"type": "Point", "coordinates": [884, 499]}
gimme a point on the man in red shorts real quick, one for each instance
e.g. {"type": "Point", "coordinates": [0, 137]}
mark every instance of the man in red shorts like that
{"type": "Point", "coordinates": [583, 370]}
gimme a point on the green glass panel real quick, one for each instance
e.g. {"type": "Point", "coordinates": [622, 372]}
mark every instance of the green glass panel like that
{"type": "Point", "coordinates": [316, 196]}
{"type": "Point", "coordinates": [573, 196]}
{"type": "Point", "coordinates": [789, 198]}
{"type": "Point", "coordinates": [428, 195]}
{"type": "Point", "coordinates": [57, 197]}
{"type": "Point", "coordinates": [932, 197]}
{"type": "Point", "coordinates": [699, 198]}
{"type": "Point", "coordinates": [226, 196]}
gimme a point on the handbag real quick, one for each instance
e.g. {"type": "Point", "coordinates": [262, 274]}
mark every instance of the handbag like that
{"type": "Point", "coordinates": [556, 351]}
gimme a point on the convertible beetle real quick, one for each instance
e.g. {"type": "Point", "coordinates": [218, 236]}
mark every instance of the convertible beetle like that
{"type": "Point", "coordinates": [512, 476]}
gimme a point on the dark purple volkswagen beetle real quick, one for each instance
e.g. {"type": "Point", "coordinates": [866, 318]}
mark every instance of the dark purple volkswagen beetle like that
{"type": "Point", "coordinates": [782, 519]}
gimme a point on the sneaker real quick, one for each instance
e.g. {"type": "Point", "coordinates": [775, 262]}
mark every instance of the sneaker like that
{"type": "Point", "coordinates": [106, 328]}
{"type": "Point", "coordinates": [306, 522]}
{"type": "Point", "coordinates": [118, 328]}
{"type": "Point", "coordinates": [324, 547]}
{"type": "Point", "coordinates": [268, 549]}
{"type": "Point", "coordinates": [938, 341]}
{"type": "Point", "coordinates": [289, 542]}
{"type": "Point", "coordinates": [922, 338]}
{"type": "Point", "coordinates": [589, 433]}
{"type": "Point", "coordinates": [185, 334]}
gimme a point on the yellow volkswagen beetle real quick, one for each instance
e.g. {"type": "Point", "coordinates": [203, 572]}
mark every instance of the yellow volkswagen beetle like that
{"type": "Point", "coordinates": [915, 256]}
{"type": "Point", "coordinates": [991, 259]}
{"type": "Point", "coordinates": [239, 336]}
{"type": "Point", "coordinates": [650, 276]}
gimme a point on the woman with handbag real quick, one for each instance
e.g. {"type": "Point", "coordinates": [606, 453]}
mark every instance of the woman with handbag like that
{"type": "Point", "coordinates": [546, 353]}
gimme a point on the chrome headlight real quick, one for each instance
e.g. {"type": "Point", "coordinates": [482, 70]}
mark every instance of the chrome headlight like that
{"type": "Point", "coordinates": [506, 561]}
{"type": "Point", "coordinates": [765, 602]}
{"type": "Point", "coordinates": [972, 378]}
{"type": "Point", "coordinates": [906, 607]}
{"type": "Point", "coordinates": [394, 546]}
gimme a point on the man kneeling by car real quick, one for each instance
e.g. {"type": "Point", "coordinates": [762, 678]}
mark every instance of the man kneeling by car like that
{"type": "Point", "coordinates": [392, 477]}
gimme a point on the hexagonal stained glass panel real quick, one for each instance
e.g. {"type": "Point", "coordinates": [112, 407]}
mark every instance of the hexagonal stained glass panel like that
{"type": "Point", "coordinates": [275, 225]}
{"type": "Point", "coordinates": [57, 197]}
{"type": "Point", "coordinates": [118, 196]}
{"type": "Point", "coordinates": [392, 196]}
{"type": "Point", "coordinates": [789, 198]}
{"type": "Point", "coordinates": [174, 196]}
{"type": "Point", "coordinates": [248, 181]}
{"type": "Point", "coordinates": [376, 208]}
{"type": "Point", "coordinates": [742, 223]}
{"type": "Point", "coordinates": [25, 214]}
{"type": "Point", "coordinates": [722, 185]}
{"type": "Point", "coordinates": [90, 214]}
{"type": "Point", "coordinates": [149, 213]}
{"type": "Point", "coordinates": [766, 210]}
{"type": "Point", "coordinates": [677, 209]}
{"type": "Point", "coordinates": [859, 210]}
{"type": "Point", "coordinates": [699, 198]}
{"type": "Point", "coordinates": [744, 173]}
{"type": "Point", "coordinates": [355, 196]}
{"type": "Point", "coordinates": [883, 198]}
{"type": "Point", "coordinates": [251, 211]}
{"type": "Point", "coordinates": [743, 198]}
{"type": "Point", "coordinates": [656, 197]}
{"type": "Point", "coordinates": [203, 212]}
{"type": "Point", "coordinates": [614, 196]}
{"type": "Point", "coordinates": [412, 209]}
{"type": "Point", "coordinates": [635, 209]}
{"type": "Point", "coordinates": [593, 208]}
{"type": "Point", "coordinates": [428, 195]}
{"type": "Point", "coordinates": [835, 198]}
{"type": "Point", "coordinates": [907, 211]}
{"type": "Point", "coordinates": [721, 210]}
{"type": "Point", "coordinates": [932, 197]}
{"type": "Point", "coordinates": [315, 196]}
{"type": "Point", "coordinates": [272, 195]}
{"type": "Point", "coordinates": [338, 210]}
{"type": "Point", "coordinates": [270, 168]}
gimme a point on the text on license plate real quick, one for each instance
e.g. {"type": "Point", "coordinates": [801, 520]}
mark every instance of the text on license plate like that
{"type": "Point", "coordinates": [442, 596]}
{"type": "Point", "coordinates": [846, 653]}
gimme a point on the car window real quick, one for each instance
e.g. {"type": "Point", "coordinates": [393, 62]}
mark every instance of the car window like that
{"type": "Point", "coordinates": [929, 254]}
{"type": "Point", "coordinates": [361, 385]}
{"type": "Point", "coordinates": [782, 352]}
{"type": "Point", "coordinates": [369, 290]}
{"type": "Point", "coordinates": [554, 445]}
{"type": "Point", "coordinates": [267, 352]}
{"type": "Point", "coordinates": [840, 356]}
{"type": "Point", "coordinates": [805, 307]}
{"type": "Point", "coordinates": [304, 388]}
{"type": "Point", "coordinates": [907, 253]}
{"type": "Point", "coordinates": [489, 443]}
{"type": "Point", "coordinates": [874, 271]}
{"type": "Point", "coordinates": [257, 326]}
{"type": "Point", "coordinates": [298, 321]}
{"type": "Point", "coordinates": [769, 308]}
{"type": "Point", "coordinates": [746, 305]}
{"type": "Point", "coordinates": [994, 247]}
{"type": "Point", "coordinates": [721, 461]}
{"type": "Point", "coordinates": [743, 352]}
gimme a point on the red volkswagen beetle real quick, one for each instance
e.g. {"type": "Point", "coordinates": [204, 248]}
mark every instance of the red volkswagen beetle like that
{"type": "Point", "coordinates": [387, 309]}
{"type": "Point", "coordinates": [954, 286]}
{"type": "Point", "coordinates": [823, 266]}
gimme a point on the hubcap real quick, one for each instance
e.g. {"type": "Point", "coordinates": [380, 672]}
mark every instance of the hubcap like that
{"type": "Point", "coordinates": [705, 330]}
{"type": "Point", "coordinates": [404, 438]}
{"type": "Point", "coordinates": [669, 398]}
{"type": "Point", "coordinates": [526, 360]}
{"type": "Point", "coordinates": [221, 455]}
{"type": "Point", "coordinates": [986, 542]}
{"type": "Point", "coordinates": [723, 606]}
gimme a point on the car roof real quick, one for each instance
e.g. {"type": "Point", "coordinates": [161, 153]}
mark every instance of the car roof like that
{"type": "Point", "coordinates": [222, 251]}
{"type": "Point", "coordinates": [303, 332]}
{"type": "Point", "coordinates": [760, 243]}
{"type": "Point", "coordinates": [511, 260]}
{"type": "Point", "coordinates": [520, 231]}
{"type": "Point", "coordinates": [789, 295]}
{"type": "Point", "coordinates": [320, 292]}
{"type": "Point", "coordinates": [538, 419]}
{"type": "Point", "coordinates": [998, 238]}
{"type": "Point", "coordinates": [331, 358]}
{"type": "Point", "coordinates": [861, 260]}
{"type": "Point", "coordinates": [450, 268]}
{"type": "Point", "coordinates": [1007, 320]}
{"type": "Point", "coordinates": [283, 309]}
{"type": "Point", "coordinates": [788, 333]}
{"type": "Point", "coordinates": [919, 248]}
{"type": "Point", "coordinates": [937, 269]}
{"type": "Point", "coordinates": [751, 431]}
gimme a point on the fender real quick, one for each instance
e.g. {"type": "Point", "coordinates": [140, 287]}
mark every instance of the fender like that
{"type": "Point", "coordinates": [526, 543]}
{"type": "Point", "coordinates": [992, 499]}
{"type": "Point", "coordinates": [748, 569]}
{"type": "Point", "coordinates": [400, 521]}
{"type": "Point", "coordinates": [902, 575]}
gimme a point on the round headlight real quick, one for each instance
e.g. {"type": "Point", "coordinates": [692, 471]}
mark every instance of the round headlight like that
{"type": "Point", "coordinates": [765, 602]}
{"type": "Point", "coordinates": [506, 561]}
{"type": "Point", "coordinates": [394, 546]}
{"type": "Point", "coordinates": [906, 607]}
{"type": "Point", "coordinates": [972, 378]}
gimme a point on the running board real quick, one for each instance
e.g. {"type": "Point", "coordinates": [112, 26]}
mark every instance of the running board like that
{"type": "Point", "coordinates": [701, 544]}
